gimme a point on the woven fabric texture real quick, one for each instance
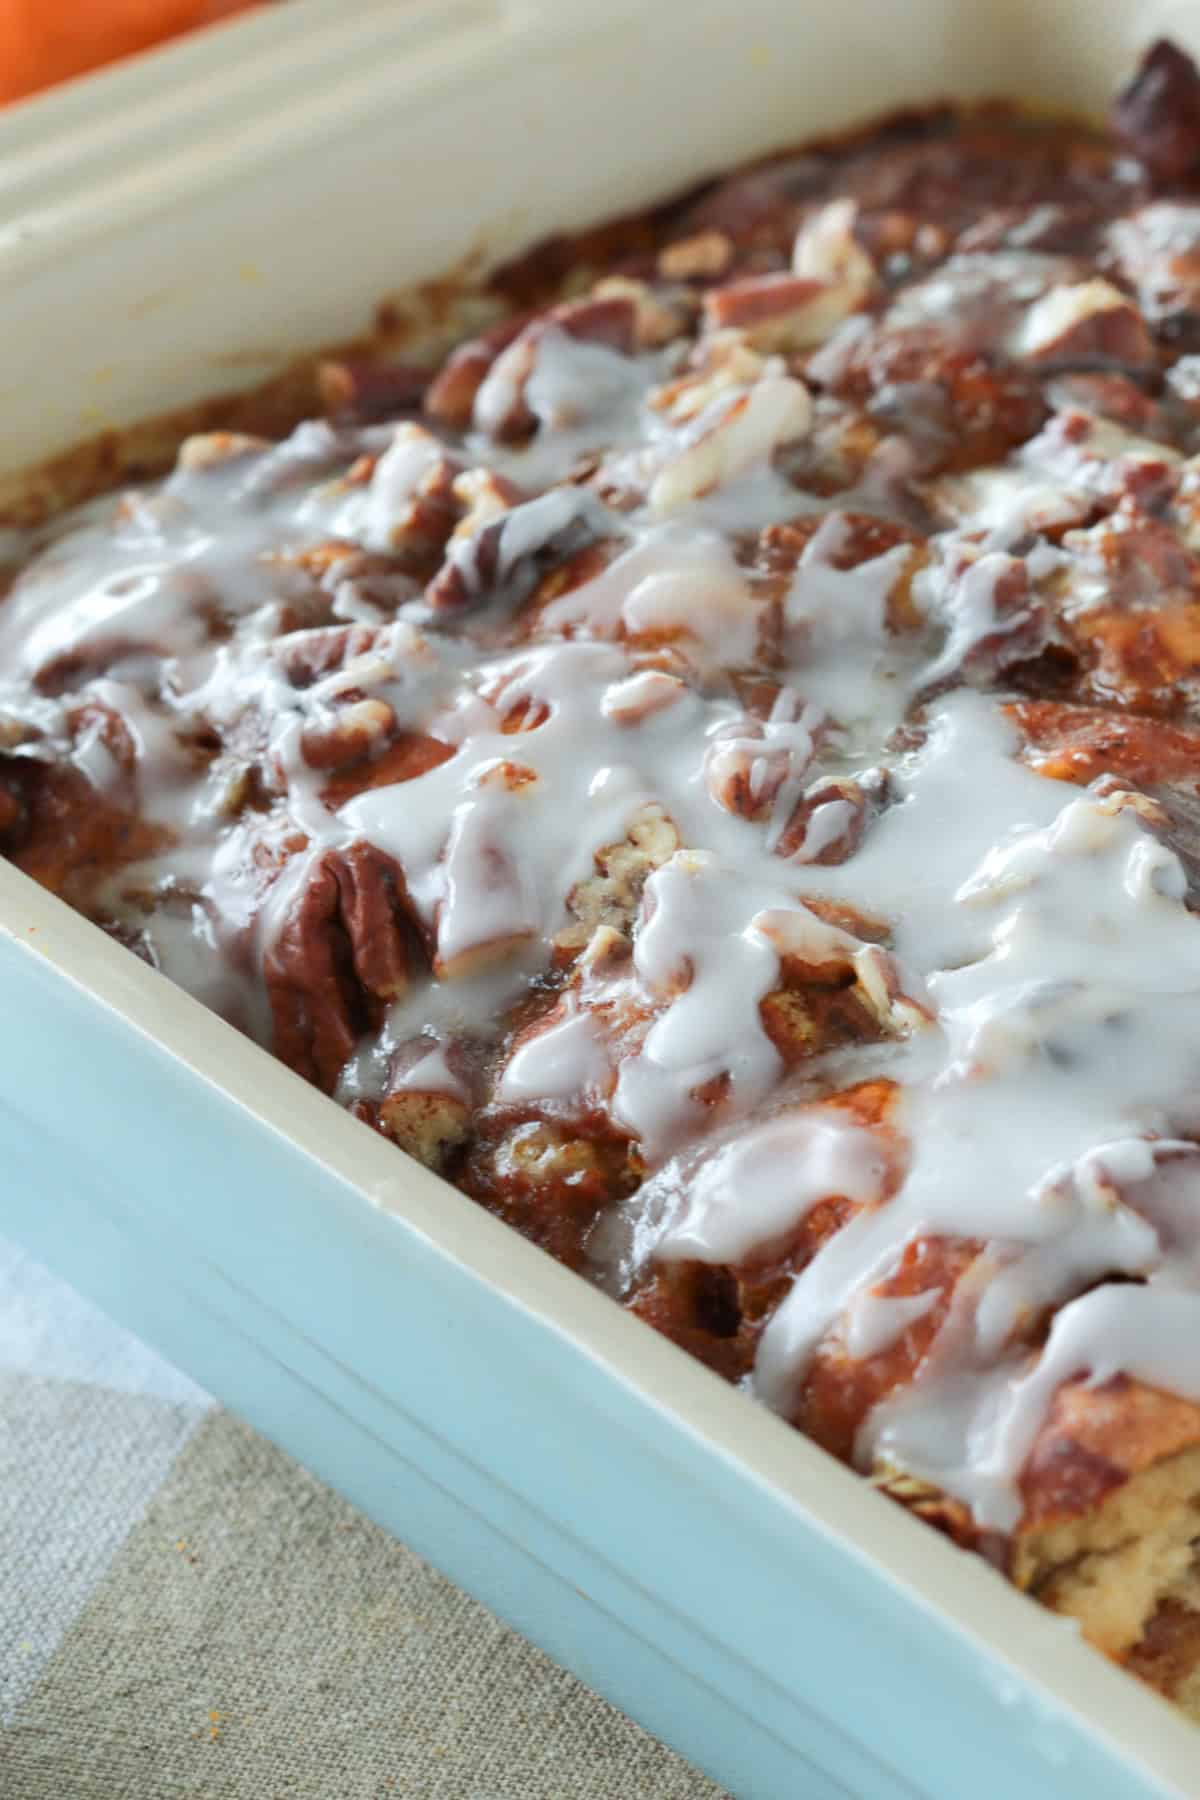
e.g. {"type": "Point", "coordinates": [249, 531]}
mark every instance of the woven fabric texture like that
{"type": "Point", "coordinates": [185, 1612]}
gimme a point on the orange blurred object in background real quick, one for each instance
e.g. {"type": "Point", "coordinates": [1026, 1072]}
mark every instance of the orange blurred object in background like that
{"type": "Point", "coordinates": [43, 41]}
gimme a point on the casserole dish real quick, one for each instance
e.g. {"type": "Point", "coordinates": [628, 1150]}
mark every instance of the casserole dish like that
{"type": "Point", "coordinates": [364, 1321]}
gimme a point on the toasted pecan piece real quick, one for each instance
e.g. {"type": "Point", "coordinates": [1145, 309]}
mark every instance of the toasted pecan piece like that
{"type": "Point", "coordinates": [365, 390]}
{"type": "Point", "coordinates": [450, 397]}
{"type": "Point", "coordinates": [1080, 743]}
{"type": "Point", "coordinates": [780, 312]}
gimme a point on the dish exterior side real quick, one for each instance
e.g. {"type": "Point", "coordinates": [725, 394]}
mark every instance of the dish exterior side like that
{"type": "Point", "coordinates": [718, 1579]}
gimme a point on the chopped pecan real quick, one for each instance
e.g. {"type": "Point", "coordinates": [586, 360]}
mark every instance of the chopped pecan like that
{"type": "Point", "coordinates": [450, 397]}
{"type": "Point", "coordinates": [780, 312]}
{"type": "Point", "coordinates": [352, 584]}
{"type": "Point", "coordinates": [1158, 252]}
{"type": "Point", "coordinates": [813, 952]}
{"type": "Point", "coordinates": [1085, 322]}
{"type": "Point", "coordinates": [406, 506]}
{"type": "Point", "coordinates": [364, 391]}
{"type": "Point", "coordinates": [609, 318]}
{"type": "Point", "coordinates": [1130, 604]}
{"type": "Point", "coordinates": [1104, 461]}
{"type": "Point", "coordinates": [507, 554]}
{"type": "Point", "coordinates": [1143, 563]}
{"type": "Point", "coordinates": [827, 250]}
{"type": "Point", "coordinates": [638, 696]}
{"type": "Point", "coordinates": [751, 762]}
{"type": "Point", "coordinates": [898, 1003]}
{"type": "Point", "coordinates": [828, 823]}
{"type": "Point", "coordinates": [981, 409]}
{"type": "Point", "coordinates": [718, 364]}
{"type": "Point", "coordinates": [483, 495]}
{"type": "Point", "coordinates": [747, 429]}
{"type": "Point", "coordinates": [809, 949]}
{"type": "Point", "coordinates": [994, 618]}
{"type": "Point", "coordinates": [928, 1502]}
{"type": "Point", "coordinates": [700, 257]}
{"type": "Point", "coordinates": [1114, 797]}
{"type": "Point", "coordinates": [1085, 743]}
{"type": "Point", "coordinates": [213, 449]}
{"type": "Point", "coordinates": [346, 733]}
{"type": "Point", "coordinates": [659, 316]}
{"type": "Point", "coordinates": [502, 407]}
{"type": "Point", "coordinates": [845, 540]}
{"type": "Point", "coordinates": [403, 756]}
{"type": "Point", "coordinates": [550, 1181]}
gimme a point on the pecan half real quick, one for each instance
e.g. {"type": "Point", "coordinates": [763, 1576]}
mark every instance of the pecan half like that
{"type": "Point", "coordinates": [450, 397]}
{"type": "Point", "coordinates": [307, 656]}
{"type": "Point", "coordinates": [345, 948]}
{"type": "Point", "coordinates": [501, 406]}
{"type": "Point", "coordinates": [508, 553]}
{"type": "Point", "coordinates": [1158, 112]}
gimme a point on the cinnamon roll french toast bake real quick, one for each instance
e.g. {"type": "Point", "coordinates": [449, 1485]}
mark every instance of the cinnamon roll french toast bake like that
{"type": "Point", "coordinates": [713, 768]}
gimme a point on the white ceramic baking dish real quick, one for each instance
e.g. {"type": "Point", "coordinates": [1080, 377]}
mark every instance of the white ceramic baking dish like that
{"type": "Point", "coordinates": [182, 226]}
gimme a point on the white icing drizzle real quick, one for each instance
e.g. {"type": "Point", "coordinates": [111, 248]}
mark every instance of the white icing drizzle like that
{"type": "Point", "coordinates": [431, 1073]}
{"type": "Point", "coordinates": [675, 582]}
{"type": "Point", "coordinates": [756, 1190]}
{"type": "Point", "coordinates": [873, 1322]}
{"type": "Point", "coordinates": [1063, 1028]}
{"type": "Point", "coordinates": [698, 950]}
{"type": "Point", "coordinates": [837, 625]}
{"type": "Point", "coordinates": [565, 1063]}
{"type": "Point", "coordinates": [1156, 247]}
{"type": "Point", "coordinates": [1046, 966]}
